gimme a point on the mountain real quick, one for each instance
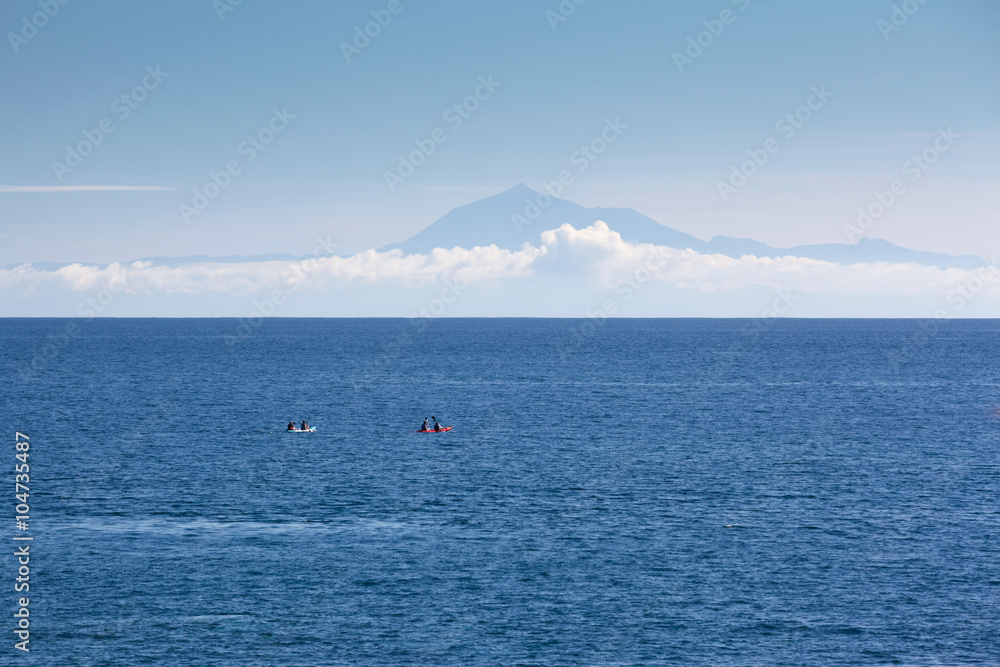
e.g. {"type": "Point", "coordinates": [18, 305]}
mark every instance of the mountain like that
{"type": "Point", "coordinates": [880, 250]}
{"type": "Point", "coordinates": [519, 215]}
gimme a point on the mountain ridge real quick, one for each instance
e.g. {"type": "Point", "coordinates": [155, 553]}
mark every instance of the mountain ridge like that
{"type": "Point", "coordinates": [518, 215]}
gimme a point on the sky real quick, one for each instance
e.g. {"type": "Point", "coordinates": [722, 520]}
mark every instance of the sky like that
{"type": "Point", "coordinates": [298, 116]}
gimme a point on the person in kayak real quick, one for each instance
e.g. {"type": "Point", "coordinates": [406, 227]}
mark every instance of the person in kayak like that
{"type": "Point", "coordinates": [291, 426]}
{"type": "Point", "coordinates": [425, 426]}
{"type": "Point", "coordinates": [437, 424]}
{"type": "Point", "coordinates": [305, 425]}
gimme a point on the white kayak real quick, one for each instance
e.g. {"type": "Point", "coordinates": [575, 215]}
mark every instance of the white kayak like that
{"type": "Point", "coordinates": [300, 430]}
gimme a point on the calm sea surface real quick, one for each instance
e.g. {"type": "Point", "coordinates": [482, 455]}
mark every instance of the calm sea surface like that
{"type": "Point", "coordinates": [689, 492]}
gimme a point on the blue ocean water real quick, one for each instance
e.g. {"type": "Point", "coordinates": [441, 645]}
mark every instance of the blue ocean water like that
{"type": "Point", "coordinates": [689, 492]}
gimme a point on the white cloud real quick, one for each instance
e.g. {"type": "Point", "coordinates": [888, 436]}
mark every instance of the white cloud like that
{"type": "Point", "coordinates": [467, 265]}
{"type": "Point", "coordinates": [594, 256]}
{"type": "Point", "coordinates": [602, 253]}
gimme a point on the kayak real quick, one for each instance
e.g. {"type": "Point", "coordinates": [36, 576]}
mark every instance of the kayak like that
{"type": "Point", "coordinates": [300, 430]}
{"type": "Point", "coordinates": [430, 430]}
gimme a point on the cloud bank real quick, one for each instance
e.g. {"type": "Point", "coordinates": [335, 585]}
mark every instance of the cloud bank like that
{"type": "Point", "coordinates": [594, 257]}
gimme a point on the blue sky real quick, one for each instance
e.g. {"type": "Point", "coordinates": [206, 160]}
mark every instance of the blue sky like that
{"type": "Point", "coordinates": [324, 172]}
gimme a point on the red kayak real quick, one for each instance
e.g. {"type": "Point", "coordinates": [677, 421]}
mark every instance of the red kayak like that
{"type": "Point", "coordinates": [430, 430]}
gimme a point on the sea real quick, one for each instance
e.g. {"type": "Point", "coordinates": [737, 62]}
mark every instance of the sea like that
{"type": "Point", "coordinates": [720, 492]}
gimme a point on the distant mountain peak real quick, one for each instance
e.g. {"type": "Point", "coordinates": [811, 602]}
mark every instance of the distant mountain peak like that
{"type": "Point", "coordinates": [519, 191]}
{"type": "Point", "coordinates": [518, 215]}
